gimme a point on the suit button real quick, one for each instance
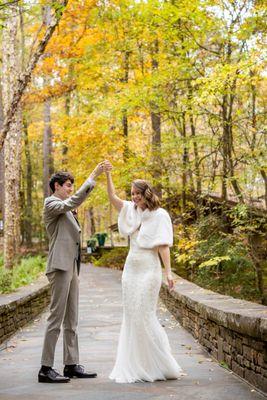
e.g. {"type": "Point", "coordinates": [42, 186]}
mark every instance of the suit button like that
{"type": "Point", "coordinates": [77, 244]}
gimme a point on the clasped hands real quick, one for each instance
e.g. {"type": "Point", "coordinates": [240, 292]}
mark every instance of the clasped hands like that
{"type": "Point", "coordinates": [104, 166]}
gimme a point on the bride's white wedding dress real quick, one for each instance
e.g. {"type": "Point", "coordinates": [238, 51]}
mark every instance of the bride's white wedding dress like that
{"type": "Point", "coordinates": [143, 351]}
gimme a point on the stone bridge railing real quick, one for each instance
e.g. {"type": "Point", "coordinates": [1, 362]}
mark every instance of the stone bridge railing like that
{"type": "Point", "coordinates": [233, 331]}
{"type": "Point", "coordinates": [21, 307]}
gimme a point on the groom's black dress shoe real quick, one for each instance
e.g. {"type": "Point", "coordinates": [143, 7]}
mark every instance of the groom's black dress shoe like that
{"type": "Point", "coordinates": [77, 371]}
{"type": "Point", "coordinates": [51, 376]}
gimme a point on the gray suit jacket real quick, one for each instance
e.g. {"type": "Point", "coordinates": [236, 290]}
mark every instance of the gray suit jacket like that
{"type": "Point", "coordinates": [62, 228]}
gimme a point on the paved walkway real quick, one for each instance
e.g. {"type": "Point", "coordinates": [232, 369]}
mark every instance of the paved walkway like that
{"type": "Point", "coordinates": [100, 317]}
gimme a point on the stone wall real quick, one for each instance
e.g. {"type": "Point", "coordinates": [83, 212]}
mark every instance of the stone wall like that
{"type": "Point", "coordinates": [233, 331]}
{"type": "Point", "coordinates": [19, 308]}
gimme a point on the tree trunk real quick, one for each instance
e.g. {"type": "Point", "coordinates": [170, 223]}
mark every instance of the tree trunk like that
{"type": "Point", "coordinates": [156, 130]}
{"type": "Point", "coordinates": [48, 164]}
{"type": "Point", "coordinates": [2, 185]}
{"type": "Point", "coordinates": [2, 174]}
{"type": "Point", "coordinates": [67, 112]}
{"type": "Point", "coordinates": [125, 136]}
{"type": "Point", "coordinates": [225, 145]}
{"type": "Point", "coordinates": [254, 133]}
{"type": "Point", "coordinates": [25, 222]}
{"type": "Point", "coordinates": [12, 149]}
{"type": "Point", "coordinates": [125, 79]}
{"type": "Point", "coordinates": [227, 137]}
{"type": "Point", "coordinates": [185, 163]}
{"type": "Point", "coordinates": [196, 197]}
{"type": "Point", "coordinates": [125, 126]}
{"type": "Point", "coordinates": [29, 183]}
{"type": "Point", "coordinates": [193, 135]}
{"type": "Point", "coordinates": [92, 220]}
{"type": "Point", "coordinates": [234, 181]}
{"type": "Point", "coordinates": [156, 151]}
{"type": "Point", "coordinates": [253, 113]}
{"type": "Point", "coordinates": [264, 176]}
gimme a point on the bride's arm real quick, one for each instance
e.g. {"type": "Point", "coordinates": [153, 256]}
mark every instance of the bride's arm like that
{"type": "Point", "coordinates": [114, 199]}
{"type": "Point", "coordinates": [164, 252]}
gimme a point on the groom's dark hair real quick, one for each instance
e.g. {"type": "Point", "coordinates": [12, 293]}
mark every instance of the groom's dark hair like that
{"type": "Point", "coordinates": [60, 177]}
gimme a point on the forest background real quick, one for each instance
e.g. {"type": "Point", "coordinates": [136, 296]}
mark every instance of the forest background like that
{"type": "Point", "coordinates": [170, 91]}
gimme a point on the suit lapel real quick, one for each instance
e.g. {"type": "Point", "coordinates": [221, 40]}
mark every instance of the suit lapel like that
{"type": "Point", "coordinates": [74, 221]}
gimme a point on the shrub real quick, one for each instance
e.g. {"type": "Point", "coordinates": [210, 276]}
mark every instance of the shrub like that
{"type": "Point", "coordinates": [114, 258]}
{"type": "Point", "coordinates": [216, 260]}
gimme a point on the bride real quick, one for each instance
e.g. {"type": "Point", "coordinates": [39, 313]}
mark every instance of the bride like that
{"type": "Point", "coordinates": [143, 351]}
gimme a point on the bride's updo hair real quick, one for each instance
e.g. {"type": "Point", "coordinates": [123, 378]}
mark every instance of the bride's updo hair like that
{"type": "Point", "coordinates": [150, 198]}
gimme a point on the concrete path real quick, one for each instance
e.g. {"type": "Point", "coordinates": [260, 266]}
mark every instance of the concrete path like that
{"type": "Point", "coordinates": [100, 317]}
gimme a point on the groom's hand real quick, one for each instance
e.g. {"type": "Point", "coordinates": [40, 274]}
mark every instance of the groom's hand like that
{"type": "Point", "coordinates": [98, 170]}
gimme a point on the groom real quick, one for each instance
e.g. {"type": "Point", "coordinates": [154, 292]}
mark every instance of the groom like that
{"type": "Point", "coordinates": [62, 271]}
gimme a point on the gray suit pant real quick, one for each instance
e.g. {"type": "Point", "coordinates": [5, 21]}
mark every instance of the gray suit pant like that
{"type": "Point", "coordinates": [63, 309]}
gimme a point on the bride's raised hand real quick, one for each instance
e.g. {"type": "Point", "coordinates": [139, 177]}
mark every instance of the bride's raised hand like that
{"type": "Point", "coordinates": [107, 166]}
{"type": "Point", "coordinates": [114, 199]}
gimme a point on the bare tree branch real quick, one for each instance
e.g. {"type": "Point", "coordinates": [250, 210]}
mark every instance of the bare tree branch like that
{"type": "Point", "coordinates": [25, 77]}
{"type": "Point", "coordinates": [8, 3]}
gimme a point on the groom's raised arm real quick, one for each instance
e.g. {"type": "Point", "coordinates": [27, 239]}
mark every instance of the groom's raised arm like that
{"type": "Point", "coordinates": [54, 206]}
